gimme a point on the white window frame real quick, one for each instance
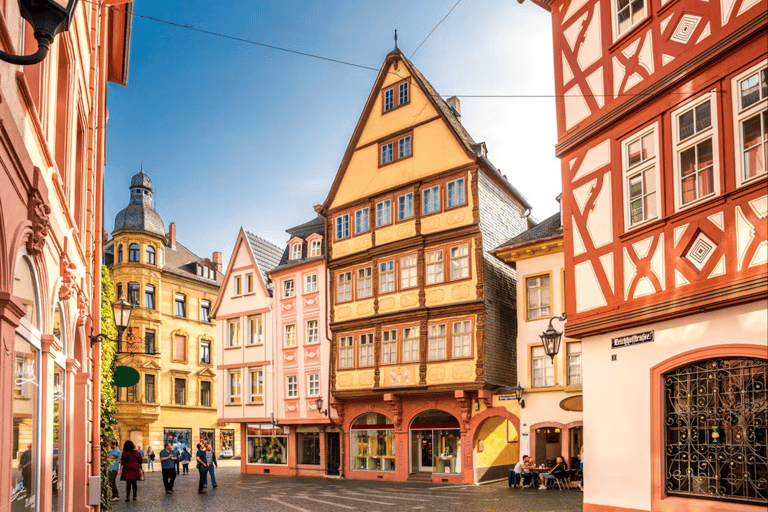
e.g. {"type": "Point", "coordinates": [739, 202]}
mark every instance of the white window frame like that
{"type": "Point", "coordinates": [291, 386]}
{"type": "Point", "coordinates": [364, 282]}
{"type": "Point", "coordinates": [461, 339]}
{"type": "Point", "coordinates": [411, 342]}
{"type": "Point", "coordinates": [238, 283]}
{"type": "Point", "coordinates": [435, 271]}
{"type": "Point", "coordinates": [650, 165]}
{"type": "Point", "coordinates": [680, 146]}
{"type": "Point", "coordinates": [365, 351]}
{"type": "Point", "coordinates": [342, 226]}
{"type": "Point", "coordinates": [404, 146]}
{"type": "Point", "coordinates": [403, 92]}
{"type": "Point", "coordinates": [543, 292]}
{"type": "Point", "coordinates": [387, 277]}
{"type": "Point", "coordinates": [389, 99]}
{"type": "Point", "coordinates": [615, 19]}
{"type": "Point", "coordinates": [460, 262]}
{"type": "Point", "coordinates": [289, 290]}
{"type": "Point", "coordinates": [296, 251]}
{"type": "Point", "coordinates": [310, 283]}
{"type": "Point", "coordinates": [289, 335]}
{"type": "Point", "coordinates": [234, 396]}
{"type": "Point", "coordinates": [312, 332]}
{"type": "Point", "coordinates": [233, 337]}
{"type": "Point", "coordinates": [255, 335]}
{"type": "Point", "coordinates": [384, 213]}
{"type": "Point", "coordinates": [362, 218]}
{"type": "Point", "coordinates": [408, 272]}
{"type": "Point", "coordinates": [258, 374]}
{"type": "Point", "coordinates": [405, 206]}
{"type": "Point", "coordinates": [433, 205]}
{"type": "Point", "coordinates": [574, 366]}
{"type": "Point", "coordinates": [313, 384]}
{"type": "Point", "coordinates": [344, 286]}
{"type": "Point", "coordinates": [249, 282]}
{"type": "Point", "coordinates": [316, 248]}
{"type": "Point", "coordinates": [437, 342]}
{"type": "Point", "coordinates": [389, 346]}
{"type": "Point", "coordinates": [346, 352]}
{"type": "Point", "coordinates": [739, 115]}
{"type": "Point", "coordinates": [542, 365]}
{"type": "Point", "coordinates": [458, 186]}
{"type": "Point", "coordinates": [387, 153]}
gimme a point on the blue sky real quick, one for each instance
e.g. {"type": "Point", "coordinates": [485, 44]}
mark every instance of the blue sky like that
{"type": "Point", "coordinates": [234, 134]}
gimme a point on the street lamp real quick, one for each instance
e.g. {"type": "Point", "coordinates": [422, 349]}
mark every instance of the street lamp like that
{"type": "Point", "coordinates": [551, 338]}
{"type": "Point", "coordinates": [48, 18]}
{"type": "Point", "coordinates": [319, 405]}
{"type": "Point", "coordinates": [519, 395]}
{"type": "Point", "coordinates": [121, 312]}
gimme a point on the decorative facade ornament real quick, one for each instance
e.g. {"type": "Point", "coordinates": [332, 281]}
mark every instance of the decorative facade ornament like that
{"type": "Point", "coordinates": [38, 214]}
{"type": "Point", "coordinates": [82, 307]}
{"type": "Point", "coordinates": [466, 411]}
{"type": "Point", "coordinates": [68, 287]}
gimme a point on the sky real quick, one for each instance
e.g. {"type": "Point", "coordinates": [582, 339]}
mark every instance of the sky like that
{"type": "Point", "coordinates": [233, 134]}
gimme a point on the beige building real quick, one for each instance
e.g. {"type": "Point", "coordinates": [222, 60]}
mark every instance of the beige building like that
{"type": "Point", "coordinates": [171, 338]}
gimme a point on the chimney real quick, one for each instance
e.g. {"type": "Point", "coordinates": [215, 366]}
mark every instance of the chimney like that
{"type": "Point", "coordinates": [455, 104]}
{"type": "Point", "coordinates": [216, 259]}
{"type": "Point", "coordinates": [172, 235]}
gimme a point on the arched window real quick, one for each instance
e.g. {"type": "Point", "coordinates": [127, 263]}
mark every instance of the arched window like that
{"type": "Point", "coordinates": [120, 253]}
{"type": "Point", "coordinates": [437, 435]}
{"type": "Point", "coordinates": [372, 443]}
{"type": "Point", "coordinates": [150, 255]}
{"type": "Point", "coordinates": [133, 252]}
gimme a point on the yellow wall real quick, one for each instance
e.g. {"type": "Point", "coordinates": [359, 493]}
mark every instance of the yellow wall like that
{"type": "Point", "coordinates": [499, 441]}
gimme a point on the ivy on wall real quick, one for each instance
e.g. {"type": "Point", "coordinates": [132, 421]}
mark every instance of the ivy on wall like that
{"type": "Point", "coordinates": [108, 364]}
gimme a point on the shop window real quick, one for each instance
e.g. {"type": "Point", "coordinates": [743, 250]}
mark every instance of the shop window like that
{"type": "Point", "coordinates": [308, 448]}
{"type": "Point", "coordinates": [435, 443]}
{"type": "Point", "coordinates": [266, 445]}
{"type": "Point", "coordinates": [372, 443]}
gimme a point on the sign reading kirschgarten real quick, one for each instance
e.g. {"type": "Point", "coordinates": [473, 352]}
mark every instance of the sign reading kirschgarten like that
{"type": "Point", "coordinates": [632, 339]}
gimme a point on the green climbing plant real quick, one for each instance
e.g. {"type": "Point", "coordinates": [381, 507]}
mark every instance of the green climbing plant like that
{"type": "Point", "coordinates": [108, 364]}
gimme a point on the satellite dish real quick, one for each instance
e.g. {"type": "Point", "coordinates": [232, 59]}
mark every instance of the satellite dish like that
{"type": "Point", "coordinates": [125, 377]}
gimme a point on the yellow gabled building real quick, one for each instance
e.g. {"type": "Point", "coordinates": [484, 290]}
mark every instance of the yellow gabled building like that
{"type": "Point", "coordinates": [422, 317]}
{"type": "Point", "coordinates": [171, 338]}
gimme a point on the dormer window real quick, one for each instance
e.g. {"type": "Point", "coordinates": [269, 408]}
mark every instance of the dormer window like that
{"type": "Point", "coordinates": [296, 251]}
{"type": "Point", "coordinates": [395, 96]}
{"type": "Point", "coordinates": [316, 248]}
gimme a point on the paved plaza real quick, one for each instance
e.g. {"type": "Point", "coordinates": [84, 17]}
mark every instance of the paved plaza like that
{"type": "Point", "coordinates": [265, 493]}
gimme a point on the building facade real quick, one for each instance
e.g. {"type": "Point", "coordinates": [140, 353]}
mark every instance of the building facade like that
{"type": "Point", "coordinates": [422, 317]}
{"type": "Point", "coordinates": [662, 117]}
{"type": "Point", "coordinates": [53, 118]}
{"type": "Point", "coordinates": [172, 337]}
{"type": "Point", "coordinates": [551, 417]}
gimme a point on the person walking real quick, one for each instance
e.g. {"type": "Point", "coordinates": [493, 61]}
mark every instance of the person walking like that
{"type": "Point", "coordinates": [176, 454]}
{"type": "Point", "coordinates": [185, 458]}
{"type": "Point", "coordinates": [212, 464]}
{"type": "Point", "coordinates": [130, 469]}
{"type": "Point", "coordinates": [150, 458]}
{"type": "Point", "coordinates": [114, 455]}
{"type": "Point", "coordinates": [167, 465]}
{"type": "Point", "coordinates": [138, 447]}
{"type": "Point", "coordinates": [202, 468]}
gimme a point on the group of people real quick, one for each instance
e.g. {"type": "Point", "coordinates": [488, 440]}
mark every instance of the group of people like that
{"type": "Point", "coordinates": [527, 471]}
{"type": "Point", "coordinates": [127, 465]}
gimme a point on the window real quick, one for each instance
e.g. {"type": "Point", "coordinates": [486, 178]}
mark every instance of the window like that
{"type": "Point", "coordinates": [256, 376]}
{"type": "Point", "coordinates": [150, 256]}
{"type": "Point", "coordinates": [205, 310]}
{"type": "Point", "coordinates": [149, 388]}
{"type": "Point", "coordinates": [255, 330]}
{"type": "Point", "coordinates": [398, 92]}
{"type": "Point", "coordinates": [459, 262]}
{"type": "Point", "coordinates": [695, 406]}
{"type": "Point", "coordinates": [456, 195]}
{"type": "Point", "coordinates": [627, 14]}
{"type": "Point", "coordinates": [405, 206]}
{"type": "Point", "coordinates": [436, 342]}
{"type": "Point", "coordinates": [366, 350]}
{"type": "Point", "coordinates": [133, 252]}
{"type": "Point", "coordinates": [233, 338]}
{"type": "Point", "coordinates": [641, 175]}
{"type": "Point", "coordinates": [361, 220]}
{"type": "Point", "coordinates": [290, 336]}
{"type": "Point", "coordinates": [234, 381]}
{"type": "Point", "coordinates": [431, 199]}
{"type": "Point", "coordinates": [316, 248]}
{"type": "Point", "coordinates": [288, 290]}
{"type": "Point", "coordinates": [132, 393]}
{"type": "Point", "coordinates": [695, 140]}
{"type": "Point", "coordinates": [342, 226]}
{"type": "Point", "coordinates": [120, 253]}
{"type": "Point", "coordinates": [296, 251]}
{"type": "Point", "coordinates": [180, 305]}
{"type": "Point", "coordinates": [573, 350]}
{"type": "Point", "coordinates": [180, 391]}
{"type": "Point", "coordinates": [133, 294]}
{"type": "Point", "coordinates": [372, 444]}
{"type": "Point", "coordinates": [313, 332]}
{"type": "Point", "coordinates": [205, 393]}
{"type": "Point", "coordinates": [292, 387]}
{"type": "Point", "coordinates": [384, 212]}
{"type": "Point", "coordinates": [750, 93]}
{"type": "Point", "coordinates": [238, 285]}
{"type": "Point", "coordinates": [389, 100]}
{"type": "Point", "coordinates": [149, 342]}
{"type": "Point", "coordinates": [404, 147]}
{"type": "Point", "coordinates": [248, 283]}
{"type": "Point", "coordinates": [119, 290]}
{"type": "Point", "coordinates": [389, 347]}
{"type": "Point", "coordinates": [542, 368]}
{"type": "Point", "coordinates": [149, 296]}
{"type": "Point", "coordinates": [346, 352]}
{"type": "Point", "coordinates": [410, 344]}
{"type": "Point", "coordinates": [403, 93]}
{"type": "Point", "coordinates": [387, 276]}
{"type": "Point", "coordinates": [313, 384]}
{"type": "Point", "coordinates": [205, 352]}
{"type": "Point", "coordinates": [179, 348]}
{"type": "Point", "coordinates": [344, 287]}
{"type": "Point", "coordinates": [461, 342]}
{"type": "Point", "coordinates": [387, 153]}
{"type": "Point", "coordinates": [308, 448]}
{"type": "Point", "coordinates": [434, 261]}
{"type": "Point", "coordinates": [537, 296]}
{"type": "Point", "coordinates": [364, 288]}
{"type": "Point", "coordinates": [408, 271]}
{"type": "Point", "coordinates": [310, 283]}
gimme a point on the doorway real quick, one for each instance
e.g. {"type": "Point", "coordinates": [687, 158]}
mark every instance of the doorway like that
{"type": "Point", "coordinates": [424, 438]}
{"type": "Point", "coordinates": [435, 443]}
{"type": "Point", "coordinates": [332, 453]}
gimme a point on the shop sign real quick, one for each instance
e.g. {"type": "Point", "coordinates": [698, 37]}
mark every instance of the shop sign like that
{"type": "Point", "coordinates": [632, 339]}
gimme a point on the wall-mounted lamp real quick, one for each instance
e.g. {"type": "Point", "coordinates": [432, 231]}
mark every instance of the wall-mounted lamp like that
{"type": "Point", "coordinates": [551, 338]}
{"type": "Point", "coordinates": [319, 405]}
{"type": "Point", "coordinates": [121, 313]}
{"type": "Point", "coordinates": [519, 395]}
{"type": "Point", "coordinates": [48, 18]}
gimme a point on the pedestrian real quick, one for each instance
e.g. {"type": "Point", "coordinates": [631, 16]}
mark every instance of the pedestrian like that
{"type": "Point", "coordinates": [150, 458]}
{"type": "Point", "coordinates": [212, 464]}
{"type": "Point", "coordinates": [202, 468]}
{"type": "Point", "coordinates": [581, 468]}
{"type": "Point", "coordinates": [138, 447]}
{"type": "Point", "coordinates": [167, 464]}
{"type": "Point", "coordinates": [25, 465]}
{"type": "Point", "coordinates": [185, 458]}
{"type": "Point", "coordinates": [130, 469]}
{"type": "Point", "coordinates": [114, 455]}
{"type": "Point", "coordinates": [176, 454]}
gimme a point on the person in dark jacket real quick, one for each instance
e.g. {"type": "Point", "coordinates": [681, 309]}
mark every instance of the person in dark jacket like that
{"type": "Point", "coordinates": [202, 468]}
{"type": "Point", "coordinates": [560, 470]}
{"type": "Point", "coordinates": [185, 457]}
{"type": "Point", "coordinates": [130, 464]}
{"type": "Point", "coordinates": [212, 464]}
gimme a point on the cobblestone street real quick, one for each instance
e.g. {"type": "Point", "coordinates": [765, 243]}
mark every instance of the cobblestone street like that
{"type": "Point", "coordinates": [278, 494]}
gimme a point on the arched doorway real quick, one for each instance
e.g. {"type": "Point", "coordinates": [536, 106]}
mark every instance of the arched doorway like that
{"type": "Point", "coordinates": [496, 448]}
{"type": "Point", "coordinates": [435, 443]}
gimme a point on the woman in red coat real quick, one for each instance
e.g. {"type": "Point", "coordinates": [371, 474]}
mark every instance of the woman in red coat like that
{"type": "Point", "coordinates": [130, 466]}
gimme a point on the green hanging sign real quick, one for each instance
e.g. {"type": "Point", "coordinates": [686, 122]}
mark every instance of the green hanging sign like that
{"type": "Point", "coordinates": [125, 377]}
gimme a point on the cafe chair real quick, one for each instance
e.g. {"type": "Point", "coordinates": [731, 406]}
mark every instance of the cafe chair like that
{"type": "Point", "coordinates": [563, 482]}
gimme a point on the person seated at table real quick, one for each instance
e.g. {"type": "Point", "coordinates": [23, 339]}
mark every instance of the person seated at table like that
{"type": "Point", "coordinates": [560, 470]}
{"type": "Point", "coordinates": [523, 472]}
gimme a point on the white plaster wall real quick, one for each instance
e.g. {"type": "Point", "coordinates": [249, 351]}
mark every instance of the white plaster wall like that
{"type": "Point", "coordinates": [617, 399]}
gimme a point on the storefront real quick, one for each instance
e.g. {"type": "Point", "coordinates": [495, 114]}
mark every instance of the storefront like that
{"type": "Point", "coordinates": [372, 443]}
{"type": "Point", "coordinates": [180, 437]}
{"type": "Point", "coordinates": [226, 443]}
{"type": "Point", "coordinates": [435, 443]}
{"type": "Point", "coordinates": [266, 449]}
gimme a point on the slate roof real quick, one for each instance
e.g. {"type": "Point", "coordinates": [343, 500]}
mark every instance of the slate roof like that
{"type": "Point", "coordinates": [183, 262]}
{"type": "Point", "coordinates": [139, 214]}
{"type": "Point", "coordinates": [548, 228]}
{"type": "Point", "coordinates": [266, 253]}
{"type": "Point", "coordinates": [316, 225]}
